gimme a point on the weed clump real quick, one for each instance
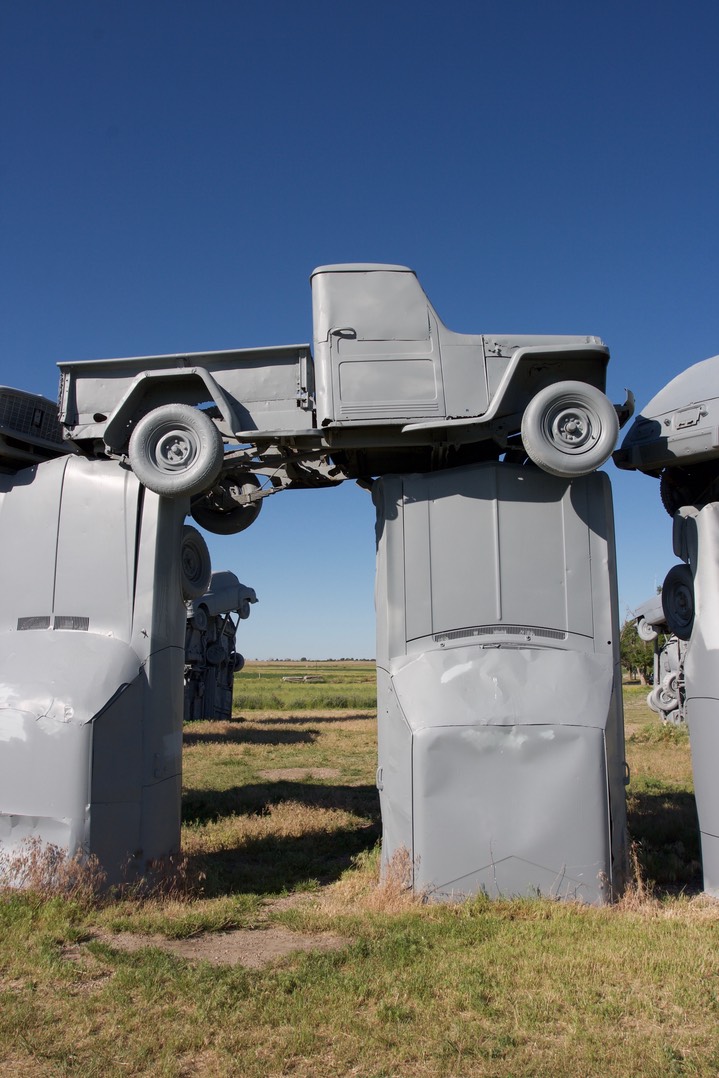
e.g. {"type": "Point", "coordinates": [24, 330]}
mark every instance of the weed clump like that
{"type": "Point", "coordinates": [666, 733]}
{"type": "Point", "coordinates": [638, 895]}
{"type": "Point", "coordinates": [48, 871]}
{"type": "Point", "coordinates": [45, 871]}
{"type": "Point", "coordinates": [376, 888]}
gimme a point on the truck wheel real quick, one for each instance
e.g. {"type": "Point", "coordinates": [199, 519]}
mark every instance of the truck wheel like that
{"type": "Point", "coordinates": [176, 450]}
{"type": "Point", "coordinates": [569, 429]}
{"type": "Point", "coordinates": [199, 618]}
{"type": "Point", "coordinates": [670, 684]}
{"type": "Point", "coordinates": [646, 631]}
{"type": "Point", "coordinates": [195, 564]}
{"type": "Point", "coordinates": [678, 601]}
{"type": "Point", "coordinates": [220, 511]}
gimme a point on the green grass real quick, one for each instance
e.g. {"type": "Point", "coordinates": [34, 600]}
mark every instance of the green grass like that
{"type": "Point", "coordinates": [284, 803]}
{"type": "Point", "coordinates": [345, 685]}
{"type": "Point", "coordinates": [660, 798]}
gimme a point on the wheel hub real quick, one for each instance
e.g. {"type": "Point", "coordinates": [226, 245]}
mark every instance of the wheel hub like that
{"type": "Point", "coordinates": [572, 428]}
{"type": "Point", "coordinates": [683, 604]}
{"type": "Point", "coordinates": [175, 450]}
{"type": "Point", "coordinates": [191, 562]}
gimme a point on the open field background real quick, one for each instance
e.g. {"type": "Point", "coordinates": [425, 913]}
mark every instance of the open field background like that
{"type": "Point", "coordinates": [280, 955]}
{"type": "Point", "coordinates": [260, 686]}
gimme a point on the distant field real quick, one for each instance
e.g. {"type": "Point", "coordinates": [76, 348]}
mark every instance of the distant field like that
{"type": "Point", "coordinates": [259, 687]}
{"type": "Point", "coordinates": [287, 958]}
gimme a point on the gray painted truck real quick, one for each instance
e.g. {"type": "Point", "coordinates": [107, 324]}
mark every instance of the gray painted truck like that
{"type": "Point", "coordinates": [385, 386]}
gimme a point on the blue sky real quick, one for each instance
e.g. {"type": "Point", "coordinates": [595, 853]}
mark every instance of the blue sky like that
{"type": "Point", "coordinates": [172, 172]}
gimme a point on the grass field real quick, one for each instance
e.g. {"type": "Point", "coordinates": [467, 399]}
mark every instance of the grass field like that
{"type": "Point", "coordinates": [261, 686]}
{"type": "Point", "coordinates": [280, 829]}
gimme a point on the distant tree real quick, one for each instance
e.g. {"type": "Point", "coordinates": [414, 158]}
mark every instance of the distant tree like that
{"type": "Point", "coordinates": [637, 656]}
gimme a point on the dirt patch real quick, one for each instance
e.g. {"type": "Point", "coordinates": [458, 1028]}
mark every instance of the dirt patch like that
{"type": "Point", "coordinates": [250, 947]}
{"type": "Point", "coordinates": [297, 774]}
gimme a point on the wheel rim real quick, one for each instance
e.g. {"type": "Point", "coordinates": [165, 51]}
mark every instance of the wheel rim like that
{"type": "Point", "coordinates": [678, 601]}
{"type": "Point", "coordinates": [192, 563]}
{"type": "Point", "coordinates": [682, 605]}
{"type": "Point", "coordinates": [572, 427]}
{"type": "Point", "coordinates": [175, 449]}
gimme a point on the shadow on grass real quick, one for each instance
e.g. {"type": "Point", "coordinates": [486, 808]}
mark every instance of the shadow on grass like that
{"type": "Point", "coordinates": [204, 806]}
{"type": "Point", "coordinates": [666, 829]}
{"type": "Point", "coordinates": [245, 736]}
{"type": "Point", "coordinates": [305, 720]}
{"type": "Point", "coordinates": [276, 864]}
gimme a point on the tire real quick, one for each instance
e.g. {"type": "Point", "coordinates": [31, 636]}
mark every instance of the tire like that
{"type": "Point", "coordinates": [661, 702]}
{"type": "Point", "coordinates": [216, 654]}
{"type": "Point", "coordinates": [670, 685]}
{"type": "Point", "coordinates": [569, 429]}
{"type": "Point", "coordinates": [176, 450]}
{"type": "Point", "coordinates": [672, 492]}
{"type": "Point", "coordinates": [195, 564]}
{"type": "Point", "coordinates": [685, 486]}
{"type": "Point", "coordinates": [220, 514]}
{"type": "Point", "coordinates": [199, 618]}
{"type": "Point", "coordinates": [678, 601]}
{"type": "Point", "coordinates": [646, 631]}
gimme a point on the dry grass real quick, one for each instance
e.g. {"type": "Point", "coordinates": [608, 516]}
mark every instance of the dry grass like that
{"type": "Point", "coordinates": [503, 988]}
{"type": "Point", "coordinates": [367, 889]}
{"type": "Point", "coordinates": [46, 872]}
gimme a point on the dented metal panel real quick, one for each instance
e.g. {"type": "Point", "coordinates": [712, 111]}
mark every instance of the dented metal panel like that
{"type": "Point", "coordinates": [501, 750]}
{"type": "Point", "coordinates": [502, 686]}
{"type": "Point", "coordinates": [512, 810]}
{"type": "Point", "coordinates": [91, 664]}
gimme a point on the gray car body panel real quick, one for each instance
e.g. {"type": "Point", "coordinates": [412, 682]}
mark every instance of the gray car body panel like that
{"type": "Point", "coordinates": [382, 355]}
{"type": "Point", "coordinates": [501, 751]}
{"type": "Point", "coordinates": [92, 629]}
{"type": "Point", "coordinates": [700, 547]}
{"type": "Point", "coordinates": [30, 431]}
{"type": "Point", "coordinates": [679, 426]}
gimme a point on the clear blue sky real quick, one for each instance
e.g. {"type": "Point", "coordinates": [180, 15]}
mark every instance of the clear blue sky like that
{"type": "Point", "coordinates": [171, 172]}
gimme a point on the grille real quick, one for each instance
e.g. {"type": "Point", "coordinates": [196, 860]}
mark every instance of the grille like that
{"type": "Point", "coordinates": [22, 414]}
{"type": "Point", "coordinates": [34, 623]}
{"type": "Point", "coordinates": [71, 621]}
{"type": "Point", "coordinates": [62, 621]}
{"type": "Point", "coordinates": [501, 630]}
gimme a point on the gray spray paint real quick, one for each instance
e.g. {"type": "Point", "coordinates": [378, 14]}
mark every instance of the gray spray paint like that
{"type": "Point", "coordinates": [501, 754]}
{"type": "Point", "coordinates": [674, 438]}
{"type": "Point", "coordinates": [501, 751]}
{"type": "Point", "coordinates": [91, 664]}
{"type": "Point", "coordinates": [211, 656]}
{"type": "Point", "coordinates": [696, 535]}
{"type": "Point", "coordinates": [667, 696]}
